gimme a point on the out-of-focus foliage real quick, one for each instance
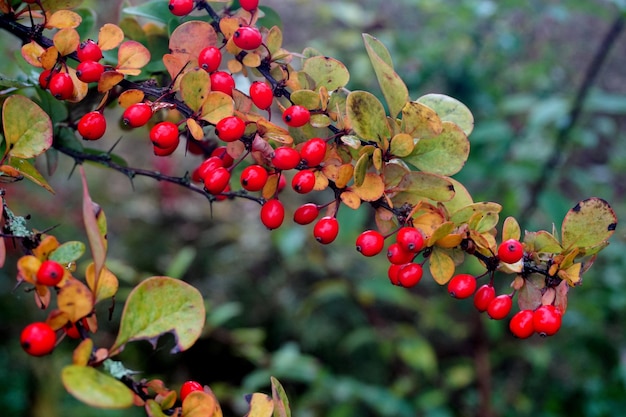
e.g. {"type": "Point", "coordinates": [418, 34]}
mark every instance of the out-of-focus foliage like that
{"type": "Point", "coordinates": [325, 321]}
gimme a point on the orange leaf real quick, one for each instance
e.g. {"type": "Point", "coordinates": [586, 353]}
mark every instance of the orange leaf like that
{"type": "Point", "coordinates": [131, 57]}
{"type": "Point", "coordinates": [351, 200]}
{"type": "Point", "coordinates": [47, 245]}
{"type": "Point", "coordinates": [191, 37]}
{"type": "Point", "coordinates": [31, 52]}
{"type": "Point", "coordinates": [110, 36]}
{"type": "Point", "coordinates": [130, 97]}
{"type": "Point", "coordinates": [64, 19]}
{"type": "Point", "coordinates": [108, 80]}
{"type": "Point", "coordinates": [27, 267]}
{"type": "Point", "coordinates": [175, 63]}
{"type": "Point", "coordinates": [372, 188]}
{"type": "Point", "coordinates": [49, 57]}
{"type": "Point", "coordinates": [105, 286]}
{"type": "Point", "coordinates": [66, 41]}
{"type": "Point", "coordinates": [80, 88]}
{"type": "Point", "coordinates": [75, 300]}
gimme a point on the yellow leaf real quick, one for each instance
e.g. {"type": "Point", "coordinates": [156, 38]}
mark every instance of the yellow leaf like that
{"type": "Point", "coordinates": [217, 106]}
{"type": "Point", "coordinates": [199, 404]}
{"type": "Point", "coordinates": [66, 41]}
{"type": "Point", "coordinates": [49, 57]}
{"type": "Point", "coordinates": [82, 353]}
{"type": "Point", "coordinates": [75, 300]}
{"type": "Point", "coordinates": [110, 36]}
{"type": "Point", "coordinates": [31, 52]}
{"type": "Point", "coordinates": [27, 267]}
{"type": "Point", "coordinates": [350, 199]}
{"type": "Point", "coordinates": [344, 175]}
{"type": "Point", "coordinates": [47, 245]}
{"type": "Point", "coordinates": [441, 266]}
{"type": "Point", "coordinates": [130, 97]}
{"type": "Point", "coordinates": [131, 56]}
{"type": "Point", "coordinates": [372, 188]}
{"type": "Point", "coordinates": [195, 129]}
{"type": "Point", "coordinates": [64, 19]}
{"type": "Point", "coordinates": [107, 283]}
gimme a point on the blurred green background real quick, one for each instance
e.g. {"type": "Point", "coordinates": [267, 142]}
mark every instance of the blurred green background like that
{"type": "Point", "coordinates": [324, 320]}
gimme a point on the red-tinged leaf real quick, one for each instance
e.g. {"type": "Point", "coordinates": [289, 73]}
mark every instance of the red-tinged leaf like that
{"type": "Point", "coordinates": [590, 223]}
{"type": "Point", "coordinates": [27, 128]}
{"type": "Point", "coordinates": [28, 170]}
{"type": "Point", "coordinates": [191, 37]}
{"type": "Point", "coordinates": [110, 36]}
{"type": "Point", "coordinates": [194, 88]}
{"type": "Point", "coordinates": [261, 405]}
{"type": "Point", "coordinates": [160, 305]}
{"type": "Point", "coordinates": [95, 388]}
{"type": "Point", "coordinates": [394, 90]}
{"type": "Point", "coordinates": [96, 239]}
{"type": "Point", "coordinates": [132, 56]}
{"type": "Point", "coordinates": [529, 296]}
{"type": "Point", "coordinates": [175, 63]}
{"type": "Point", "coordinates": [200, 404]}
{"type": "Point", "coordinates": [75, 300]}
{"type": "Point", "coordinates": [561, 296]}
{"type": "Point", "coordinates": [105, 286]}
{"type": "Point", "coordinates": [281, 402]}
{"type": "Point", "coordinates": [31, 52]}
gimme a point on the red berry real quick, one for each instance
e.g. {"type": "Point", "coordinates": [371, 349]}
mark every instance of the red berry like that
{"type": "Point", "coordinates": [521, 324]}
{"type": "Point", "coordinates": [303, 182]}
{"type": "Point", "coordinates": [326, 229]}
{"type": "Point", "coordinates": [230, 128]}
{"type": "Point", "coordinates": [209, 165]}
{"type": "Point", "coordinates": [397, 255]}
{"type": "Point", "coordinates": [44, 79]}
{"type": "Point", "coordinates": [547, 320]}
{"type": "Point", "coordinates": [61, 86]}
{"type": "Point", "coordinates": [313, 151]}
{"type": "Point", "coordinates": [137, 114]}
{"type": "Point", "coordinates": [222, 81]}
{"type": "Point", "coordinates": [282, 182]}
{"type": "Point", "coordinates": [272, 214]}
{"type": "Point", "coordinates": [89, 71]}
{"type": "Point", "coordinates": [392, 273]}
{"type": "Point", "coordinates": [253, 177]}
{"type": "Point", "coordinates": [296, 116]}
{"type": "Point", "coordinates": [247, 38]}
{"type": "Point", "coordinates": [50, 273]}
{"type": "Point", "coordinates": [164, 151]}
{"type": "Point", "coordinates": [500, 307]}
{"type": "Point", "coordinates": [216, 181]}
{"type": "Point", "coordinates": [188, 387]}
{"type": "Point", "coordinates": [249, 5]}
{"type": "Point", "coordinates": [483, 297]}
{"type": "Point", "coordinates": [71, 329]}
{"type": "Point", "coordinates": [370, 243]}
{"type": "Point", "coordinates": [92, 125]}
{"type": "Point", "coordinates": [285, 158]}
{"type": "Point", "coordinates": [262, 95]}
{"type": "Point", "coordinates": [38, 339]}
{"type": "Point", "coordinates": [462, 286]}
{"type": "Point", "coordinates": [164, 135]}
{"type": "Point", "coordinates": [89, 51]}
{"type": "Point", "coordinates": [410, 239]}
{"type": "Point", "coordinates": [510, 251]}
{"type": "Point", "coordinates": [223, 154]}
{"type": "Point", "coordinates": [210, 58]}
{"type": "Point", "coordinates": [305, 214]}
{"type": "Point", "coordinates": [181, 7]}
{"type": "Point", "coordinates": [410, 275]}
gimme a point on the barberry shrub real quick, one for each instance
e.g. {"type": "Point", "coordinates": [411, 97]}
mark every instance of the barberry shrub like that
{"type": "Point", "coordinates": [346, 147]}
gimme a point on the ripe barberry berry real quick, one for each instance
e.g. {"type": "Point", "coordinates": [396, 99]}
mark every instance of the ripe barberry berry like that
{"type": "Point", "coordinates": [272, 214]}
{"type": "Point", "coordinates": [410, 239]}
{"type": "Point", "coordinates": [303, 182]}
{"type": "Point", "coordinates": [164, 135]}
{"type": "Point", "coordinates": [89, 71]}
{"type": "Point", "coordinates": [38, 339]}
{"type": "Point", "coordinates": [547, 320]}
{"type": "Point", "coordinates": [462, 286]}
{"type": "Point", "coordinates": [222, 81]}
{"type": "Point", "coordinates": [249, 5]}
{"type": "Point", "coordinates": [296, 116]}
{"type": "Point", "coordinates": [326, 229]}
{"type": "Point", "coordinates": [61, 86]}
{"type": "Point", "coordinates": [50, 273]}
{"type": "Point", "coordinates": [92, 125]}
{"type": "Point", "coordinates": [188, 387]}
{"type": "Point", "coordinates": [313, 151]}
{"type": "Point", "coordinates": [253, 177]}
{"type": "Point", "coordinates": [306, 213]}
{"type": "Point", "coordinates": [210, 58]}
{"type": "Point", "coordinates": [163, 151]}
{"type": "Point", "coordinates": [89, 51]}
{"type": "Point", "coordinates": [521, 324]}
{"type": "Point", "coordinates": [247, 38]}
{"type": "Point", "coordinates": [216, 181]}
{"type": "Point", "coordinates": [500, 307]}
{"type": "Point", "coordinates": [137, 115]}
{"type": "Point", "coordinates": [230, 128]}
{"type": "Point", "coordinates": [209, 165]}
{"type": "Point", "coordinates": [285, 158]}
{"type": "Point", "coordinates": [261, 94]}
{"type": "Point", "coordinates": [392, 273]}
{"type": "Point", "coordinates": [370, 243]}
{"type": "Point", "coordinates": [483, 297]}
{"type": "Point", "coordinates": [181, 7]}
{"type": "Point", "coordinates": [222, 153]}
{"type": "Point", "coordinates": [510, 251]}
{"type": "Point", "coordinates": [410, 274]}
{"type": "Point", "coordinates": [44, 78]}
{"type": "Point", "coordinates": [397, 255]}
{"type": "Point", "coordinates": [71, 329]}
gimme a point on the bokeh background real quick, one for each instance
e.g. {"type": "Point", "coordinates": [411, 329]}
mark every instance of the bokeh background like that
{"type": "Point", "coordinates": [324, 320]}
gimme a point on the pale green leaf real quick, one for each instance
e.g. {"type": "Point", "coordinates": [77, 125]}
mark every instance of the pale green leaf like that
{"type": "Point", "coordinates": [95, 388]}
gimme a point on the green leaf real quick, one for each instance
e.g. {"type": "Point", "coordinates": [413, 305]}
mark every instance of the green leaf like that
{"type": "Point", "coordinates": [281, 403]}
{"type": "Point", "coordinates": [95, 236]}
{"type": "Point", "coordinates": [367, 116]}
{"type": "Point", "coordinates": [68, 252]}
{"type": "Point", "coordinates": [152, 10]}
{"type": "Point", "coordinates": [394, 90]}
{"type": "Point", "coordinates": [160, 305]}
{"type": "Point", "coordinates": [270, 18]}
{"type": "Point", "coordinates": [402, 145]}
{"type": "Point", "coordinates": [194, 88]}
{"type": "Point", "coordinates": [463, 215]}
{"type": "Point", "coordinates": [445, 154]}
{"type": "Point", "coordinates": [13, 83]}
{"type": "Point", "coordinates": [27, 128]}
{"type": "Point", "coordinates": [462, 197]}
{"type": "Point", "coordinates": [588, 224]}
{"type": "Point", "coordinates": [450, 110]}
{"type": "Point", "coordinates": [327, 72]}
{"type": "Point", "coordinates": [416, 186]}
{"type": "Point", "coordinates": [96, 389]}
{"type": "Point", "coordinates": [29, 171]}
